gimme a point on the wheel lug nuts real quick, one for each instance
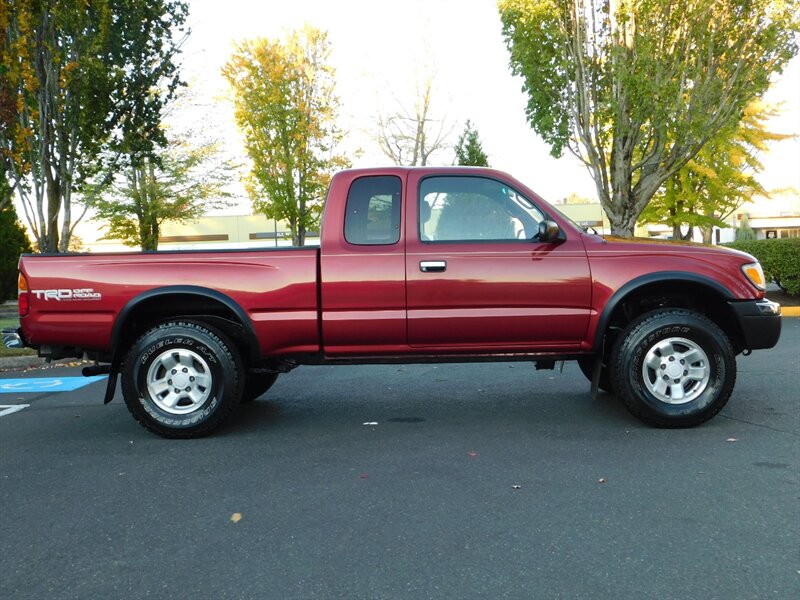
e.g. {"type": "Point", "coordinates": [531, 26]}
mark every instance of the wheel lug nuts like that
{"type": "Point", "coordinates": [666, 378]}
{"type": "Point", "coordinates": [191, 378]}
{"type": "Point", "coordinates": [177, 391]}
{"type": "Point", "coordinates": [185, 370]}
{"type": "Point", "coordinates": [188, 389]}
{"type": "Point", "coordinates": [663, 366]}
{"type": "Point", "coordinates": [683, 362]}
{"type": "Point", "coordinates": [685, 373]}
{"type": "Point", "coordinates": [677, 380]}
{"type": "Point", "coordinates": [671, 358]}
{"type": "Point", "coordinates": [174, 371]}
{"type": "Point", "coordinates": [169, 382]}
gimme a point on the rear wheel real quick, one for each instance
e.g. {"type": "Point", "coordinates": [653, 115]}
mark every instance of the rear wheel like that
{"type": "Point", "coordinates": [182, 379]}
{"type": "Point", "coordinates": [674, 368]}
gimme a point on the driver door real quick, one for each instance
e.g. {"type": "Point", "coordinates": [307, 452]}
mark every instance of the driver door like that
{"type": "Point", "coordinates": [476, 278]}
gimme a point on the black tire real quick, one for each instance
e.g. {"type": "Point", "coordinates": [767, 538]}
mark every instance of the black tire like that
{"type": "Point", "coordinates": [669, 339]}
{"type": "Point", "coordinates": [256, 384]}
{"type": "Point", "coordinates": [193, 356]}
{"type": "Point", "coordinates": [605, 384]}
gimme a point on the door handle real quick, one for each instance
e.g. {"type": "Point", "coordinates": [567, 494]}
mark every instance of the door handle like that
{"type": "Point", "coordinates": [432, 266]}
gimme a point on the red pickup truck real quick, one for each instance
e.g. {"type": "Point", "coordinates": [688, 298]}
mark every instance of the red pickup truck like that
{"type": "Point", "coordinates": [415, 265]}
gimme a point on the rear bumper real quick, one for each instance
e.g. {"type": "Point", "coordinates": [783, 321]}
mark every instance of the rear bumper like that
{"type": "Point", "coordinates": [12, 338]}
{"type": "Point", "coordinates": [760, 322]}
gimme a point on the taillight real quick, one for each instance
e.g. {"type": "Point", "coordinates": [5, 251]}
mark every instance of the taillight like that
{"type": "Point", "coordinates": [22, 291]}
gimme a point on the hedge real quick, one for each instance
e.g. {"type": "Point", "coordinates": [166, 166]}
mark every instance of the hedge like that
{"type": "Point", "coordinates": [779, 258]}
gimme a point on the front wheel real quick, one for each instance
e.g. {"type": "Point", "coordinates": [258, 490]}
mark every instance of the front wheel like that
{"type": "Point", "coordinates": [182, 379]}
{"type": "Point", "coordinates": [674, 368]}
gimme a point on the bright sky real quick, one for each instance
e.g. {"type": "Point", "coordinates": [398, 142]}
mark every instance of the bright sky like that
{"type": "Point", "coordinates": [378, 47]}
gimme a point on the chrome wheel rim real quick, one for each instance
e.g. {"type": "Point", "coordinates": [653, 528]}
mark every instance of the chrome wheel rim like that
{"type": "Point", "coordinates": [179, 381]}
{"type": "Point", "coordinates": [676, 370]}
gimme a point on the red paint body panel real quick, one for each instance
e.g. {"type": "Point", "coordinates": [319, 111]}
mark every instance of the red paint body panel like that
{"type": "Point", "coordinates": [276, 288]}
{"type": "Point", "coordinates": [363, 288]}
{"type": "Point", "coordinates": [369, 301]}
{"type": "Point", "coordinates": [616, 261]}
{"type": "Point", "coordinates": [519, 295]}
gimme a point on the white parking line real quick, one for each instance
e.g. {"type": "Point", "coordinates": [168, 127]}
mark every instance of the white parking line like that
{"type": "Point", "coordinates": [9, 409]}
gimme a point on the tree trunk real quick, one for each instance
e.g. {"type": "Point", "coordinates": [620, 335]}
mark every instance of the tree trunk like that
{"type": "Point", "coordinates": [148, 233]}
{"type": "Point", "coordinates": [293, 229]}
{"type": "Point", "coordinates": [708, 233]}
{"type": "Point", "coordinates": [53, 209]}
{"type": "Point", "coordinates": [621, 216]}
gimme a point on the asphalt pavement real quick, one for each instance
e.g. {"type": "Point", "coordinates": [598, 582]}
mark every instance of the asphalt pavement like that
{"type": "Point", "coordinates": [478, 481]}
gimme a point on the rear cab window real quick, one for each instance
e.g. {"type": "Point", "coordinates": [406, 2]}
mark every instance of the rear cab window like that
{"type": "Point", "coordinates": [372, 213]}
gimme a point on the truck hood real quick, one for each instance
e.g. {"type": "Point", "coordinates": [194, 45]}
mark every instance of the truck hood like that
{"type": "Point", "coordinates": [638, 245]}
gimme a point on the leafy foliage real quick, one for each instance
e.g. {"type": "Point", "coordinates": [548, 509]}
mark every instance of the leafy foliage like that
{"type": "Point", "coordinates": [90, 80]}
{"type": "Point", "coordinates": [14, 242]}
{"type": "Point", "coordinates": [635, 89]}
{"type": "Point", "coordinates": [286, 107]}
{"type": "Point", "coordinates": [719, 180]}
{"type": "Point", "coordinates": [179, 184]}
{"type": "Point", "coordinates": [469, 151]}
{"type": "Point", "coordinates": [745, 233]}
{"type": "Point", "coordinates": [780, 260]}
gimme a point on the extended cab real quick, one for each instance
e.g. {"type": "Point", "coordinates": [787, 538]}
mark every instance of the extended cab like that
{"type": "Point", "coordinates": [415, 265]}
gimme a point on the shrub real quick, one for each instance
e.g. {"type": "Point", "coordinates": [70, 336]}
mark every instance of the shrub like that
{"type": "Point", "coordinates": [13, 242]}
{"type": "Point", "coordinates": [779, 258]}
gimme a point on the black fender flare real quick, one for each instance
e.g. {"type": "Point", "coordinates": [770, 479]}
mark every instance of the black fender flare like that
{"type": "Point", "coordinates": [191, 290]}
{"type": "Point", "coordinates": [643, 280]}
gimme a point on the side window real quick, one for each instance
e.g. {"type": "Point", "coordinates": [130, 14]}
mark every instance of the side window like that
{"type": "Point", "coordinates": [372, 213]}
{"type": "Point", "coordinates": [474, 209]}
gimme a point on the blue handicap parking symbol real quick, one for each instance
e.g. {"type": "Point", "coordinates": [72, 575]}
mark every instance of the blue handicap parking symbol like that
{"type": "Point", "coordinates": [45, 384]}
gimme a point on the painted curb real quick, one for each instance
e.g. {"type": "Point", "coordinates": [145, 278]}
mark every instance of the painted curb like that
{"type": "Point", "coordinates": [18, 363]}
{"type": "Point", "coordinates": [790, 311]}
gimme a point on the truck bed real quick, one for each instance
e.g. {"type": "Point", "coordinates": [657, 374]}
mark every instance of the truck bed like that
{"type": "Point", "coordinates": [85, 294]}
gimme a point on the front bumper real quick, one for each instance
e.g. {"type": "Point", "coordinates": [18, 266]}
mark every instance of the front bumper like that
{"type": "Point", "coordinates": [760, 322]}
{"type": "Point", "coordinates": [12, 338]}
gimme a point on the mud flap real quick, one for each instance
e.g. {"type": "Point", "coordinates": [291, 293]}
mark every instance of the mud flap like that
{"type": "Point", "coordinates": [111, 386]}
{"type": "Point", "coordinates": [596, 368]}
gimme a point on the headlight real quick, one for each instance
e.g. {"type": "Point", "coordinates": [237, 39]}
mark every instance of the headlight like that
{"type": "Point", "coordinates": [755, 274]}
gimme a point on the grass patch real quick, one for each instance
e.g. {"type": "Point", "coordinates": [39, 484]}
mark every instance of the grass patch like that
{"type": "Point", "coordinates": [4, 352]}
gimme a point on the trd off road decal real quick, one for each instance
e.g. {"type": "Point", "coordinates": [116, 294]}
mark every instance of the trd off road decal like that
{"type": "Point", "coordinates": [67, 294]}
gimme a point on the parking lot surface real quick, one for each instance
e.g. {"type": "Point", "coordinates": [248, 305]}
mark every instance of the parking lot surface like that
{"type": "Point", "coordinates": [428, 481]}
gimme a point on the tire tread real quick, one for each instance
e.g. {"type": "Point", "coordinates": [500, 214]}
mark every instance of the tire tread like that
{"type": "Point", "coordinates": [635, 407]}
{"type": "Point", "coordinates": [224, 410]}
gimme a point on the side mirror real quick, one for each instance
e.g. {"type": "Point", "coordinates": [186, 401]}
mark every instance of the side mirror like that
{"type": "Point", "coordinates": [548, 231]}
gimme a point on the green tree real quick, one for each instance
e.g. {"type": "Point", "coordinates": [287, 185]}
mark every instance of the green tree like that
{"type": "Point", "coordinates": [635, 89]}
{"type": "Point", "coordinates": [90, 80]}
{"type": "Point", "coordinates": [285, 105]}
{"type": "Point", "coordinates": [745, 233]}
{"type": "Point", "coordinates": [179, 184]}
{"type": "Point", "coordinates": [14, 242]}
{"type": "Point", "coordinates": [469, 151]}
{"type": "Point", "coordinates": [719, 180]}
